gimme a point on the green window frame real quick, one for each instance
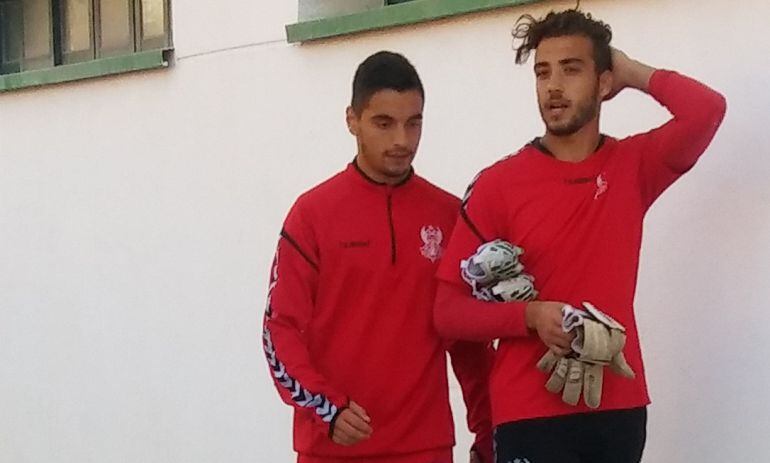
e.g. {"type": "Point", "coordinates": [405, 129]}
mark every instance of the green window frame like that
{"type": "Point", "coordinates": [52, 41]}
{"type": "Point", "coordinates": [388, 13]}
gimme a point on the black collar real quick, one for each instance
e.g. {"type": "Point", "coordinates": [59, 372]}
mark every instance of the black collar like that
{"type": "Point", "coordinates": [375, 182]}
{"type": "Point", "coordinates": [538, 144]}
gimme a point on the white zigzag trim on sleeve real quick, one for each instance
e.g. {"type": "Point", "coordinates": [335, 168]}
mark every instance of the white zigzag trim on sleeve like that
{"type": "Point", "coordinates": [301, 396]}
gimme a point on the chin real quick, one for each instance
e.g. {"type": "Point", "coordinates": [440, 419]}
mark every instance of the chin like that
{"type": "Point", "coordinates": [399, 172]}
{"type": "Point", "coordinates": [399, 165]}
{"type": "Point", "coordinates": [558, 131]}
{"type": "Point", "coordinates": [562, 130]}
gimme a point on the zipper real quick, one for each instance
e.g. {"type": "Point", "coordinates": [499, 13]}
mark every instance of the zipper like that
{"type": "Point", "coordinates": [392, 230]}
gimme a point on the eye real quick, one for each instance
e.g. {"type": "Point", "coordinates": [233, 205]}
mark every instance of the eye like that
{"type": "Point", "coordinates": [415, 123]}
{"type": "Point", "coordinates": [542, 74]}
{"type": "Point", "coordinates": [571, 70]}
{"type": "Point", "coordinates": [383, 124]}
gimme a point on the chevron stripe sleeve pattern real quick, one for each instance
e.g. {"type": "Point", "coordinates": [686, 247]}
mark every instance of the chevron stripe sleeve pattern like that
{"type": "Point", "coordinates": [290, 300]}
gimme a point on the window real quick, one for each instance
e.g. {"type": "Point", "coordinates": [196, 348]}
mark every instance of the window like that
{"type": "Point", "coordinates": [40, 34]}
{"type": "Point", "coordinates": [322, 19]}
{"type": "Point", "coordinates": [315, 9]}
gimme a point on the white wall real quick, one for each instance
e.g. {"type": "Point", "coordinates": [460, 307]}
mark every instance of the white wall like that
{"type": "Point", "coordinates": [138, 215]}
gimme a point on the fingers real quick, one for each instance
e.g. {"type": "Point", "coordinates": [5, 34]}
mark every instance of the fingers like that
{"type": "Point", "coordinates": [574, 384]}
{"type": "Point", "coordinates": [345, 434]}
{"type": "Point", "coordinates": [340, 437]}
{"type": "Point", "coordinates": [557, 340]}
{"type": "Point", "coordinates": [350, 428]}
{"type": "Point", "coordinates": [357, 425]}
{"type": "Point", "coordinates": [561, 351]}
{"type": "Point", "coordinates": [548, 361]}
{"type": "Point", "coordinates": [547, 319]}
{"type": "Point", "coordinates": [561, 339]}
{"type": "Point", "coordinates": [359, 410]}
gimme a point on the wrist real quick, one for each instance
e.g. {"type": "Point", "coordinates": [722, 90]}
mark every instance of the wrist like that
{"type": "Point", "coordinates": [639, 76]}
{"type": "Point", "coordinates": [530, 314]}
{"type": "Point", "coordinates": [333, 422]}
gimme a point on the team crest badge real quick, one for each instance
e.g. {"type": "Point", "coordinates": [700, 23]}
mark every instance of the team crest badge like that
{"type": "Point", "coordinates": [431, 239]}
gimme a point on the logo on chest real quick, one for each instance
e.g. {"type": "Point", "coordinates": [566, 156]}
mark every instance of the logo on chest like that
{"type": "Point", "coordinates": [601, 185]}
{"type": "Point", "coordinates": [600, 181]}
{"type": "Point", "coordinates": [432, 237]}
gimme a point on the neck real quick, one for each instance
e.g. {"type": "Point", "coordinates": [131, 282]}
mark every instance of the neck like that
{"type": "Point", "coordinates": [574, 147]}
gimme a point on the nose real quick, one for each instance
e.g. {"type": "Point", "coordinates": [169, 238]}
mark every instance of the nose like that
{"type": "Point", "coordinates": [400, 138]}
{"type": "Point", "coordinates": [555, 83]}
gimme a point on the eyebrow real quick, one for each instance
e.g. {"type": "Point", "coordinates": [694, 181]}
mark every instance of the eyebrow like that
{"type": "Point", "coordinates": [564, 61]}
{"type": "Point", "coordinates": [390, 118]}
{"type": "Point", "coordinates": [571, 61]}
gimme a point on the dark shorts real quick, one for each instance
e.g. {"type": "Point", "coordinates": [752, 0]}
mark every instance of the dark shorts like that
{"type": "Point", "coordinates": [443, 455]}
{"type": "Point", "coordinates": [603, 437]}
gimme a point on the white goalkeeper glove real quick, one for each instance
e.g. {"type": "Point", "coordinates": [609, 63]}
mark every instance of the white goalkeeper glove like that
{"type": "Point", "coordinates": [599, 342]}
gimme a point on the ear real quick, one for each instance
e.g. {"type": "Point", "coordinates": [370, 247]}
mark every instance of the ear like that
{"type": "Point", "coordinates": [352, 120]}
{"type": "Point", "coordinates": [606, 85]}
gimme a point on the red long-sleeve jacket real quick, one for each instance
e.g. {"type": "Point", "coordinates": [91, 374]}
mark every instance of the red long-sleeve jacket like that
{"type": "Point", "coordinates": [580, 225]}
{"type": "Point", "coordinates": [349, 317]}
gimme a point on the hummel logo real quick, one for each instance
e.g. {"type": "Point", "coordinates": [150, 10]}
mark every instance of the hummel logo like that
{"type": "Point", "coordinates": [578, 181]}
{"type": "Point", "coordinates": [354, 244]}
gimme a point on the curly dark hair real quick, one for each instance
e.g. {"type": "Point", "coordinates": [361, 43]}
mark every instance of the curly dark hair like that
{"type": "Point", "coordinates": [531, 32]}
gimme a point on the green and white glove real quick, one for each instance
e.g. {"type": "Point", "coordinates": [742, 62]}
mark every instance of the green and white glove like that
{"type": "Point", "coordinates": [494, 273]}
{"type": "Point", "coordinates": [599, 342]}
{"type": "Point", "coordinates": [492, 262]}
{"type": "Point", "coordinates": [519, 288]}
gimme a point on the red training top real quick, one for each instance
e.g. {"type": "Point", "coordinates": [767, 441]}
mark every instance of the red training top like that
{"type": "Point", "coordinates": [580, 225]}
{"type": "Point", "coordinates": [349, 317]}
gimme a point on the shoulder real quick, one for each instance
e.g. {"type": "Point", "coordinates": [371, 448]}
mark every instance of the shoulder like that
{"type": "Point", "coordinates": [503, 171]}
{"type": "Point", "coordinates": [317, 199]}
{"type": "Point", "coordinates": [436, 194]}
{"type": "Point", "coordinates": [322, 192]}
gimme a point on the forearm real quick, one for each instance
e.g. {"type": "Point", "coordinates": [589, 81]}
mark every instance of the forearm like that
{"type": "Point", "coordinates": [637, 75]}
{"type": "Point", "coordinates": [298, 383]}
{"type": "Point", "coordinates": [458, 315]}
{"type": "Point", "coordinates": [697, 112]}
{"type": "Point", "coordinates": [472, 364]}
{"type": "Point", "coordinates": [687, 99]}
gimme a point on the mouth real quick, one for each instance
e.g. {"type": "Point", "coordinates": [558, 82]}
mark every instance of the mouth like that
{"type": "Point", "coordinates": [399, 155]}
{"type": "Point", "coordinates": [557, 108]}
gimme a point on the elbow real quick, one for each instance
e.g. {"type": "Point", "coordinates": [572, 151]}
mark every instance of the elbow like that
{"type": "Point", "coordinates": [441, 322]}
{"type": "Point", "coordinates": [722, 107]}
{"type": "Point", "coordinates": [718, 109]}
